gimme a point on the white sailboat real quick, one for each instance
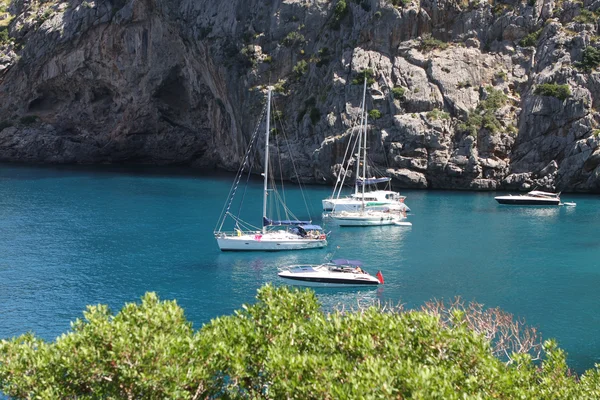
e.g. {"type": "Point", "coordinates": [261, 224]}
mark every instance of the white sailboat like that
{"type": "Point", "coordinates": [274, 235]}
{"type": "Point", "coordinates": [366, 193]}
{"type": "Point", "coordinates": [357, 211]}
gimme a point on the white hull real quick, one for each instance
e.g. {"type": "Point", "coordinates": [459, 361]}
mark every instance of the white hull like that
{"type": "Point", "coordinates": [324, 276]}
{"type": "Point", "coordinates": [351, 204]}
{"type": "Point", "coordinates": [267, 242]}
{"type": "Point", "coordinates": [524, 200]}
{"type": "Point", "coordinates": [365, 219]}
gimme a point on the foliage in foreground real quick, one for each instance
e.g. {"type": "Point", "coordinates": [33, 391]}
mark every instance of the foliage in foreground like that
{"type": "Point", "coordinates": [283, 346]}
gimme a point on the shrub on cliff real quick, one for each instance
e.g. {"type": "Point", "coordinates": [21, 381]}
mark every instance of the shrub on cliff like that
{"type": "Point", "coordinates": [339, 12]}
{"type": "Point", "coordinates": [284, 346]}
{"type": "Point", "coordinates": [590, 59]}
{"type": "Point", "coordinates": [484, 116]}
{"type": "Point", "coordinates": [367, 74]}
{"type": "Point", "coordinates": [531, 39]}
{"type": "Point", "coordinates": [429, 43]}
{"type": "Point", "coordinates": [3, 36]}
{"type": "Point", "coordinates": [561, 92]}
{"type": "Point", "coordinates": [398, 92]}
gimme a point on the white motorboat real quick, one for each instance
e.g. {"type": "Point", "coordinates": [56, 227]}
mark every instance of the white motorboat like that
{"type": "Point", "coordinates": [337, 273]}
{"type": "Point", "coordinates": [533, 198]}
{"type": "Point", "coordinates": [366, 194]}
{"type": "Point", "coordinates": [288, 234]}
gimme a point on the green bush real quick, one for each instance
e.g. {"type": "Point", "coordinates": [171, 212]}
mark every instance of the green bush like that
{"type": "Point", "coordinates": [398, 92]}
{"type": "Point", "coordinates": [531, 39]}
{"type": "Point", "coordinates": [429, 43]}
{"type": "Point", "coordinates": [4, 38]}
{"type": "Point", "coordinates": [561, 92]}
{"type": "Point", "coordinates": [360, 78]}
{"type": "Point", "coordinates": [293, 39]}
{"type": "Point", "coordinates": [484, 116]}
{"type": "Point", "coordinates": [590, 59]}
{"type": "Point", "coordinates": [586, 17]}
{"type": "Point", "coordinates": [280, 86]}
{"type": "Point", "coordinates": [285, 346]}
{"type": "Point", "coordinates": [472, 124]}
{"type": "Point", "coordinates": [494, 100]}
{"type": "Point", "coordinates": [374, 114]}
{"type": "Point", "coordinates": [436, 114]}
{"type": "Point", "coordinates": [300, 68]}
{"type": "Point", "coordinates": [339, 12]}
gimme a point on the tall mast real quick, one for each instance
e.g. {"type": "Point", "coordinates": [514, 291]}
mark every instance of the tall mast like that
{"type": "Point", "coordinates": [364, 174]}
{"type": "Point", "coordinates": [264, 228]}
{"type": "Point", "coordinates": [362, 120]}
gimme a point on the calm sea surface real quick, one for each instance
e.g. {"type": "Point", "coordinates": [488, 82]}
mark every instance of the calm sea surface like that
{"type": "Point", "coordinates": [70, 237]}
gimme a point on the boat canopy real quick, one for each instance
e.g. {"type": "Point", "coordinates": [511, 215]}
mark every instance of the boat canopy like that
{"type": "Point", "coordinates": [270, 222]}
{"type": "Point", "coordinates": [371, 181]}
{"type": "Point", "coordinates": [345, 261]}
{"type": "Point", "coordinates": [544, 194]}
{"type": "Point", "coordinates": [310, 227]}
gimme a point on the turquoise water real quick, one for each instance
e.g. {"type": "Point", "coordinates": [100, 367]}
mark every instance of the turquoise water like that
{"type": "Point", "coordinates": [70, 237]}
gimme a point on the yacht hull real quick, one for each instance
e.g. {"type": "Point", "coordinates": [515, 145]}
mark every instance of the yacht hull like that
{"type": "Point", "coordinates": [262, 243]}
{"type": "Point", "coordinates": [526, 201]}
{"type": "Point", "coordinates": [331, 205]}
{"type": "Point", "coordinates": [368, 219]}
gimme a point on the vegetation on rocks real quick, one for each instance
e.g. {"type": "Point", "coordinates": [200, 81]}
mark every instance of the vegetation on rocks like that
{"type": "Point", "coordinates": [484, 116]}
{"type": "Point", "coordinates": [590, 59]}
{"type": "Point", "coordinates": [429, 43]}
{"type": "Point", "coordinates": [285, 346]}
{"type": "Point", "coordinates": [293, 39]}
{"type": "Point", "coordinates": [436, 114]}
{"type": "Point", "coordinates": [561, 92]}
{"type": "Point", "coordinates": [367, 74]}
{"type": "Point", "coordinates": [339, 12]}
{"type": "Point", "coordinates": [398, 92]}
{"type": "Point", "coordinates": [531, 39]}
{"type": "Point", "coordinates": [300, 68]}
{"type": "Point", "coordinates": [374, 114]}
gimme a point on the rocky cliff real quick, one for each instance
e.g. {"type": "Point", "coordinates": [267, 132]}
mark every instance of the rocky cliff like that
{"type": "Point", "coordinates": [479, 95]}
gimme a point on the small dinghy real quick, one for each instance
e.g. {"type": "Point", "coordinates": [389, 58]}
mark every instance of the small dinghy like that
{"type": "Point", "coordinates": [569, 204]}
{"type": "Point", "coordinates": [337, 273]}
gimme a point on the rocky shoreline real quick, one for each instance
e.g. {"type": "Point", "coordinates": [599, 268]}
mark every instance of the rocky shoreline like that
{"type": "Point", "coordinates": [464, 95]}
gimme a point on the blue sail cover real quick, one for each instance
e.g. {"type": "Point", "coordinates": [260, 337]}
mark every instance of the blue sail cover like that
{"type": "Point", "coordinates": [371, 181]}
{"type": "Point", "coordinates": [344, 261]}
{"type": "Point", "coordinates": [270, 222]}
{"type": "Point", "coordinates": [310, 227]}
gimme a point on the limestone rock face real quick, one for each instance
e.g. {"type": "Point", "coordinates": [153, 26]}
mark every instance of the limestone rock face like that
{"type": "Point", "coordinates": [462, 95]}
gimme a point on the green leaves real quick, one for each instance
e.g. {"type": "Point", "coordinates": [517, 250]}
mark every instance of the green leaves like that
{"type": "Point", "coordinates": [283, 346]}
{"type": "Point", "coordinates": [561, 92]}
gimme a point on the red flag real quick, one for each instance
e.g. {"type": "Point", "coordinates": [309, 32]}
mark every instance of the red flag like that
{"type": "Point", "coordinates": [380, 277]}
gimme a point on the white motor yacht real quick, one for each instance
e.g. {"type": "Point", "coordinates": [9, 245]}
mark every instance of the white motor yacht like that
{"type": "Point", "coordinates": [533, 198]}
{"type": "Point", "coordinates": [337, 273]}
